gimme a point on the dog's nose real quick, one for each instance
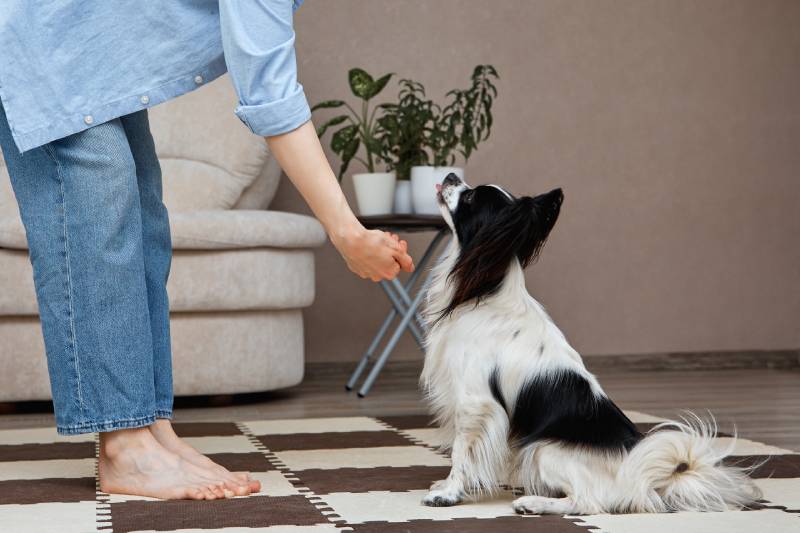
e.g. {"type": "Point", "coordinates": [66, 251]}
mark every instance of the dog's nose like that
{"type": "Point", "coordinates": [451, 179]}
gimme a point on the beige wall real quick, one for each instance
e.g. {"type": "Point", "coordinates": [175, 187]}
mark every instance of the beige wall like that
{"type": "Point", "coordinates": [673, 127]}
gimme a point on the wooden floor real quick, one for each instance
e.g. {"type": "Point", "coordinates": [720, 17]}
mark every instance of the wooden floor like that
{"type": "Point", "coordinates": [763, 404]}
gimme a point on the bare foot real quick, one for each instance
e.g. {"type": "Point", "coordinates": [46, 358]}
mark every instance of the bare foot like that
{"type": "Point", "coordinates": [239, 482]}
{"type": "Point", "coordinates": [133, 462]}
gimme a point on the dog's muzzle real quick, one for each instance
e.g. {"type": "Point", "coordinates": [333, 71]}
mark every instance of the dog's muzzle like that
{"type": "Point", "coordinates": [450, 181]}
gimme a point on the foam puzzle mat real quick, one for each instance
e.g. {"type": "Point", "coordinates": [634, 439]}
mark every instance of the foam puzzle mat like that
{"type": "Point", "coordinates": [357, 474]}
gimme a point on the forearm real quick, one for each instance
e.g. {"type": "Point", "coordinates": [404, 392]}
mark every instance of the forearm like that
{"type": "Point", "coordinates": [300, 154]}
{"type": "Point", "coordinates": [370, 254]}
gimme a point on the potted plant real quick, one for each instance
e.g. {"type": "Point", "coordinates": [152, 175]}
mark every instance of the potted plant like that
{"type": "Point", "coordinates": [439, 133]}
{"type": "Point", "coordinates": [374, 190]}
{"type": "Point", "coordinates": [402, 130]}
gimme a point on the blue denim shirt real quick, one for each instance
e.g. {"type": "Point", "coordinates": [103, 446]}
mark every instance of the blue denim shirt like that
{"type": "Point", "coordinates": [68, 64]}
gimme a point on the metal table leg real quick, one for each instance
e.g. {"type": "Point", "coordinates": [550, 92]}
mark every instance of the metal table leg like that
{"type": "Point", "coordinates": [400, 308]}
{"type": "Point", "coordinates": [406, 298]}
{"type": "Point", "coordinates": [390, 345]}
{"type": "Point", "coordinates": [406, 288]}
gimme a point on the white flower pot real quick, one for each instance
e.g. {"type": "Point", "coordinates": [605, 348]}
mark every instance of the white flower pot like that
{"type": "Point", "coordinates": [402, 198]}
{"type": "Point", "coordinates": [423, 187]}
{"type": "Point", "coordinates": [374, 192]}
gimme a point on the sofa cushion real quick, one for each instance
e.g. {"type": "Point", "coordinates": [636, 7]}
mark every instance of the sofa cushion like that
{"type": "Point", "coordinates": [213, 280]}
{"type": "Point", "coordinates": [238, 280]}
{"type": "Point", "coordinates": [214, 230]}
{"type": "Point", "coordinates": [208, 157]}
{"type": "Point", "coordinates": [260, 193]}
{"type": "Point", "coordinates": [185, 178]}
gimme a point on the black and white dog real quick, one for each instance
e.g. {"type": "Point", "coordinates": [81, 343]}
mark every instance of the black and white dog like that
{"type": "Point", "coordinates": [514, 400]}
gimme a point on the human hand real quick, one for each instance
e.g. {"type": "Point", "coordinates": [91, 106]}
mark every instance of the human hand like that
{"type": "Point", "coordinates": [373, 254]}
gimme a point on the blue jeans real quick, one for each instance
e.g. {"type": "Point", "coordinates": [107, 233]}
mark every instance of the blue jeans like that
{"type": "Point", "coordinates": [100, 247]}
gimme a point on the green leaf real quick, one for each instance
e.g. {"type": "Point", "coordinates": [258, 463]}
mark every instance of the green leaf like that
{"type": "Point", "coordinates": [342, 169]}
{"type": "Point", "coordinates": [328, 104]}
{"type": "Point", "coordinates": [360, 83]}
{"type": "Point", "coordinates": [379, 84]}
{"type": "Point", "coordinates": [372, 145]}
{"type": "Point", "coordinates": [347, 155]}
{"type": "Point", "coordinates": [351, 149]}
{"type": "Point", "coordinates": [332, 122]}
{"type": "Point", "coordinates": [343, 138]}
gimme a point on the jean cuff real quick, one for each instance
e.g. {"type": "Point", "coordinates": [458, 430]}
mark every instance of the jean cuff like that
{"type": "Point", "coordinates": [107, 425]}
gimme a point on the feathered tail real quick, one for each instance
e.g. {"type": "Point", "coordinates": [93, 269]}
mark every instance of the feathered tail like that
{"type": "Point", "coordinates": [677, 468]}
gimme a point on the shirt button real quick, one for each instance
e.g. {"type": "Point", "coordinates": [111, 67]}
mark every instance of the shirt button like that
{"type": "Point", "coordinates": [88, 119]}
{"type": "Point", "coordinates": [145, 99]}
{"type": "Point", "coordinates": [198, 80]}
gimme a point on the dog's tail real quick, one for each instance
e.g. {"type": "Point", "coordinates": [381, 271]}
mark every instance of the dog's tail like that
{"type": "Point", "coordinates": [676, 467]}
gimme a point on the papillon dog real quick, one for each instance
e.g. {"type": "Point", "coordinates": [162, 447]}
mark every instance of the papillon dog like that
{"type": "Point", "coordinates": [514, 400]}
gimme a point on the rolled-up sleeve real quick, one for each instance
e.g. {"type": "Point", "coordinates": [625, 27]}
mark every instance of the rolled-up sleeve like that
{"type": "Point", "coordinates": [258, 41]}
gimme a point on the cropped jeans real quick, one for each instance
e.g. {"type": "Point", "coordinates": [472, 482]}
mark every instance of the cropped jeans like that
{"type": "Point", "coordinates": [100, 247]}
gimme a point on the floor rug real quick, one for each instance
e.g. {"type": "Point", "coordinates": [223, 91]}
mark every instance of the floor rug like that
{"type": "Point", "coordinates": [334, 474]}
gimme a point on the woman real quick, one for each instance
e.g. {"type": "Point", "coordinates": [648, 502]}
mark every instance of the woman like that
{"type": "Point", "coordinates": [76, 78]}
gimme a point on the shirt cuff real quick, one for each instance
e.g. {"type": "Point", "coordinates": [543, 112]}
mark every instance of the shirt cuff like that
{"type": "Point", "coordinates": [275, 118]}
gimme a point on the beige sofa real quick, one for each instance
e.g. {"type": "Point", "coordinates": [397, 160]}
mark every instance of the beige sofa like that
{"type": "Point", "coordinates": [240, 275]}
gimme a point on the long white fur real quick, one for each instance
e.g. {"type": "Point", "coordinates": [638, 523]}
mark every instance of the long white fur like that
{"type": "Point", "coordinates": [463, 349]}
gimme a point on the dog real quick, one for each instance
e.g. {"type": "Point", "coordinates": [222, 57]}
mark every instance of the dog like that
{"type": "Point", "coordinates": [514, 400]}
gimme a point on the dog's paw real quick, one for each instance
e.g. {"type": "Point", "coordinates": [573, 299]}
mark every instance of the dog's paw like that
{"type": "Point", "coordinates": [442, 498]}
{"type": "Point", "coordinates": [528, 505]}
{"type": "Point", "coordinates": [544, 505]}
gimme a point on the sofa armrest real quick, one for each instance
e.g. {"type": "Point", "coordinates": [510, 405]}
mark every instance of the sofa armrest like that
{"type": "Point", "coordinates": [238, 229]}
{"type": "Point", "coordinates": [215, 230]}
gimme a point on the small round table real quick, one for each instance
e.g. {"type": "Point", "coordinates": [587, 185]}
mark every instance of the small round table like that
{"type": "Point", "coordinates": [405, 302]}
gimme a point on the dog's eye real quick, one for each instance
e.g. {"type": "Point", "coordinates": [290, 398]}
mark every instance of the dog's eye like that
{"type": "Point", "coordinates": [468, 196]}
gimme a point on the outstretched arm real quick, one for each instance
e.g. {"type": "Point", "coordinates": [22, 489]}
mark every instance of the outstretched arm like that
{"type": "Point", "coordinates": [370, 254]}
{"type": "Point", "coordinates": [258, 39]}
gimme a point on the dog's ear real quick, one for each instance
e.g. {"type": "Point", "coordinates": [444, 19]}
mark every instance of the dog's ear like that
{"type": "Point", "coordinates": [518, 232]}
{"type": "Point", "coordinates": [542, 212]}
